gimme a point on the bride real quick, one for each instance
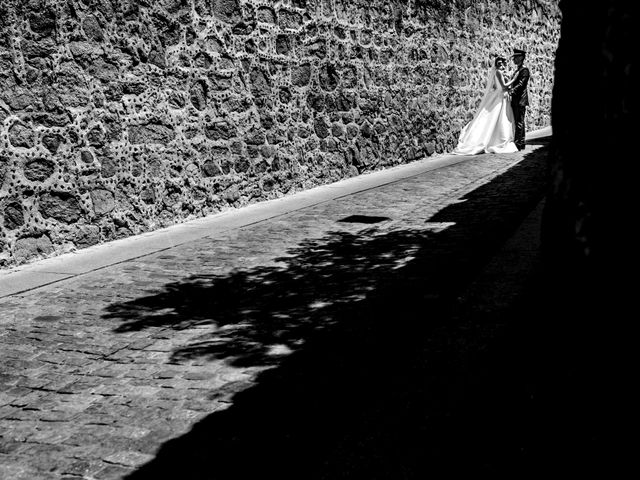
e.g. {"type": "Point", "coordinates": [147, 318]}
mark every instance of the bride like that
{"type": "Point", "coordinates": [491, 130]}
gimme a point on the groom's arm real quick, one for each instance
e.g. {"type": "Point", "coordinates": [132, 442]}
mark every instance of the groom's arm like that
{"type": "Point", "coordinates": [521, 81]}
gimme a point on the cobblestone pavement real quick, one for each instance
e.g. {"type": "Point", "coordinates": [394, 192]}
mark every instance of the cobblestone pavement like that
{"type": "Point", "coordinates": [98, 372]}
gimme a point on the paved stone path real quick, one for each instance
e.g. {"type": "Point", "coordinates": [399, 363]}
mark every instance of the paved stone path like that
{"type": "Point", "coordinates": [97, 372]}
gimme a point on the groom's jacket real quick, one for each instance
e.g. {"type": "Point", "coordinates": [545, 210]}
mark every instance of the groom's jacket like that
{"type": "Point", "coordinates": [519, 94]}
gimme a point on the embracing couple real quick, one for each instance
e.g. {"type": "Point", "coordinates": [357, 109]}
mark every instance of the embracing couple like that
{"type": "Point", "coordinates": [498, 124]}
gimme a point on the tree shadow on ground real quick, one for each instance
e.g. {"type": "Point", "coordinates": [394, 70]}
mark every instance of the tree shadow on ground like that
{"type": "Point", "coordinates": [385, 377]}
{"type": "Point", "coordinates": [256, 315]}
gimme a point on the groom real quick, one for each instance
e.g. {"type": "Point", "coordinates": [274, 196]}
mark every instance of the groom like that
{"type": "Point", "coordinates": [519, 95]}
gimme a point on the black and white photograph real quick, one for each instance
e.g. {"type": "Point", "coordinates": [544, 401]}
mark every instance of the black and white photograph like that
{"type": "Point", "coordinates": [317, 239]}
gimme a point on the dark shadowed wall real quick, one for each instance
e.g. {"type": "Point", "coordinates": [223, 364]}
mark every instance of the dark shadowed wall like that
{"type": "Point", "coordinates": [122, 116]}
{"type": "Point", "coordinates": [587, 333]}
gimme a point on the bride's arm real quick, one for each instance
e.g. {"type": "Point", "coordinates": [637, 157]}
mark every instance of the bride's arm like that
{"type": "Point", "coordinates": [503, 85]}
{"type": "Point", "coordinates": [511, 82]}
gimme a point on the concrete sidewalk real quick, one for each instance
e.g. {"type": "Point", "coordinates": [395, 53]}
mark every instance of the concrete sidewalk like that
{"type": "Point", "coordinates": [259, 333]}
{"type": "Point", "coordinates": [44, 272]}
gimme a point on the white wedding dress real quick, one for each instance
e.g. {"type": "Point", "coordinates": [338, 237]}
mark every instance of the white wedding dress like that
{"type": "Point", "coordinates": [492, 128]}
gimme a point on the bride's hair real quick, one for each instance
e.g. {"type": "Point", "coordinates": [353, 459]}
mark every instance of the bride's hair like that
{"type": "Point", "coordinates": [498, 60]}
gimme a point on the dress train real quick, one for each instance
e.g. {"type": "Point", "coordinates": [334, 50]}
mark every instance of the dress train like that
{"type": "Point", "coordinates": [492, 128]}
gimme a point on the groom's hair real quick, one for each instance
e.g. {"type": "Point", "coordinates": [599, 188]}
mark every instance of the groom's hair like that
{"type": "Point", "coordinates": [498, 60]}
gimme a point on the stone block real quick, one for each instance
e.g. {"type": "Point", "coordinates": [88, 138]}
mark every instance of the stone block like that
{"type": "Point", "coordinates": [108, 166]}
{"type": "Point", "coordinates": [43, 21]}
{"type": "Point", "coordinates": [301, 75]}
{"type": "Point", "coordinates": [198, 94]}
{"type": "Point", "coordinates": [227, 10]}
{"type": "Point", "coordinates": [92, 29]}
{"type": "Point", "coordinates": [38, 170]}
{"type": "Point", "coordinates": [283, 44]}
{"type": "Point", "coordinates": [13, 216]}
{"type": "Point", "coordinates": [352, 130]}
{"type": "Point", "coordinates": [148, 195]}
{"type": "Point", "coordinates": [288, 19]}
{"type": "Point", "coordinates": [260, 83]}
{"type": "Point", "coordinates": [329, 77]}
{"type": "Point", "coordinates": [220, 131]}
{"type": "Point", "coordinates": [52, 142]}
{"type": "Point", "coordinates": [21, 136]}
{"type": "Point", "coordinates": [87, 235]}
{"type": "Point", "coordinates": [321, 128]}
{"type": "Point", "coordinates": [430, 148]}
{"type": "Point", "coordinates": [316, 101]}
{"type": "Point", "coordinates": [4, 162]}
{"type": "Point", "coordinates": [151, 133]}
{"type": "Point", "coordinates": [211, 168]}
{"type": "Point", "coordinates": [338, 130]}
{"type": "Point", "coordinates": [85, 52]}
{"type": "Point", "coordinates": [35, 49]}
{"type": "Point", "coordinates": [32, 247]}
{"type": "Point", "coordinates": [17, 100]}
{"type": "Point", "coordinates": [96, 136]}
{"type": "Point", "coordinates": [62, 206]}
{"type": "Point", "coordinates": [103, 201]}
{"type": "Point", "coordinates": [266, 15]}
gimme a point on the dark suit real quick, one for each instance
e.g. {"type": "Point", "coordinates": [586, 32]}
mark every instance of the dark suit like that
{"type": "Point", "coordinates": [519, 103]}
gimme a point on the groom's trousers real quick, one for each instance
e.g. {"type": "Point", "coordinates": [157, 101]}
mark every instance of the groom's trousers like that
{"type": "Point", "coordinates": [519, 112]}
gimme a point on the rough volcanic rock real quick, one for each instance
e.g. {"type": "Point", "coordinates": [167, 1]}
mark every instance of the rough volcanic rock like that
{"type": "Point", "coordinates": [38, 170]}
{"type": "Point", "coordinates": [32, 247]}
{"type": "Point", "coordinates": [103, 201]}
{"type": "Point", "coordinates": [22, 136]}
{"type": "Point", "coordinates": [13, 216]}
{"type": "Point", "coordinates": [60, 205]}
{"type": "Point", "coordinates": [150, 133]}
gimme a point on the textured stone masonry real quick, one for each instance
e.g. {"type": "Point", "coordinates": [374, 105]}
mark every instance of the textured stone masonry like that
{"type": "Point", "coordinates": [122, 116]}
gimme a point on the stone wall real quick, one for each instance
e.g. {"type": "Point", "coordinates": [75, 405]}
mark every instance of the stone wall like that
{"type": "Point", "coordinates": [122, 116]}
